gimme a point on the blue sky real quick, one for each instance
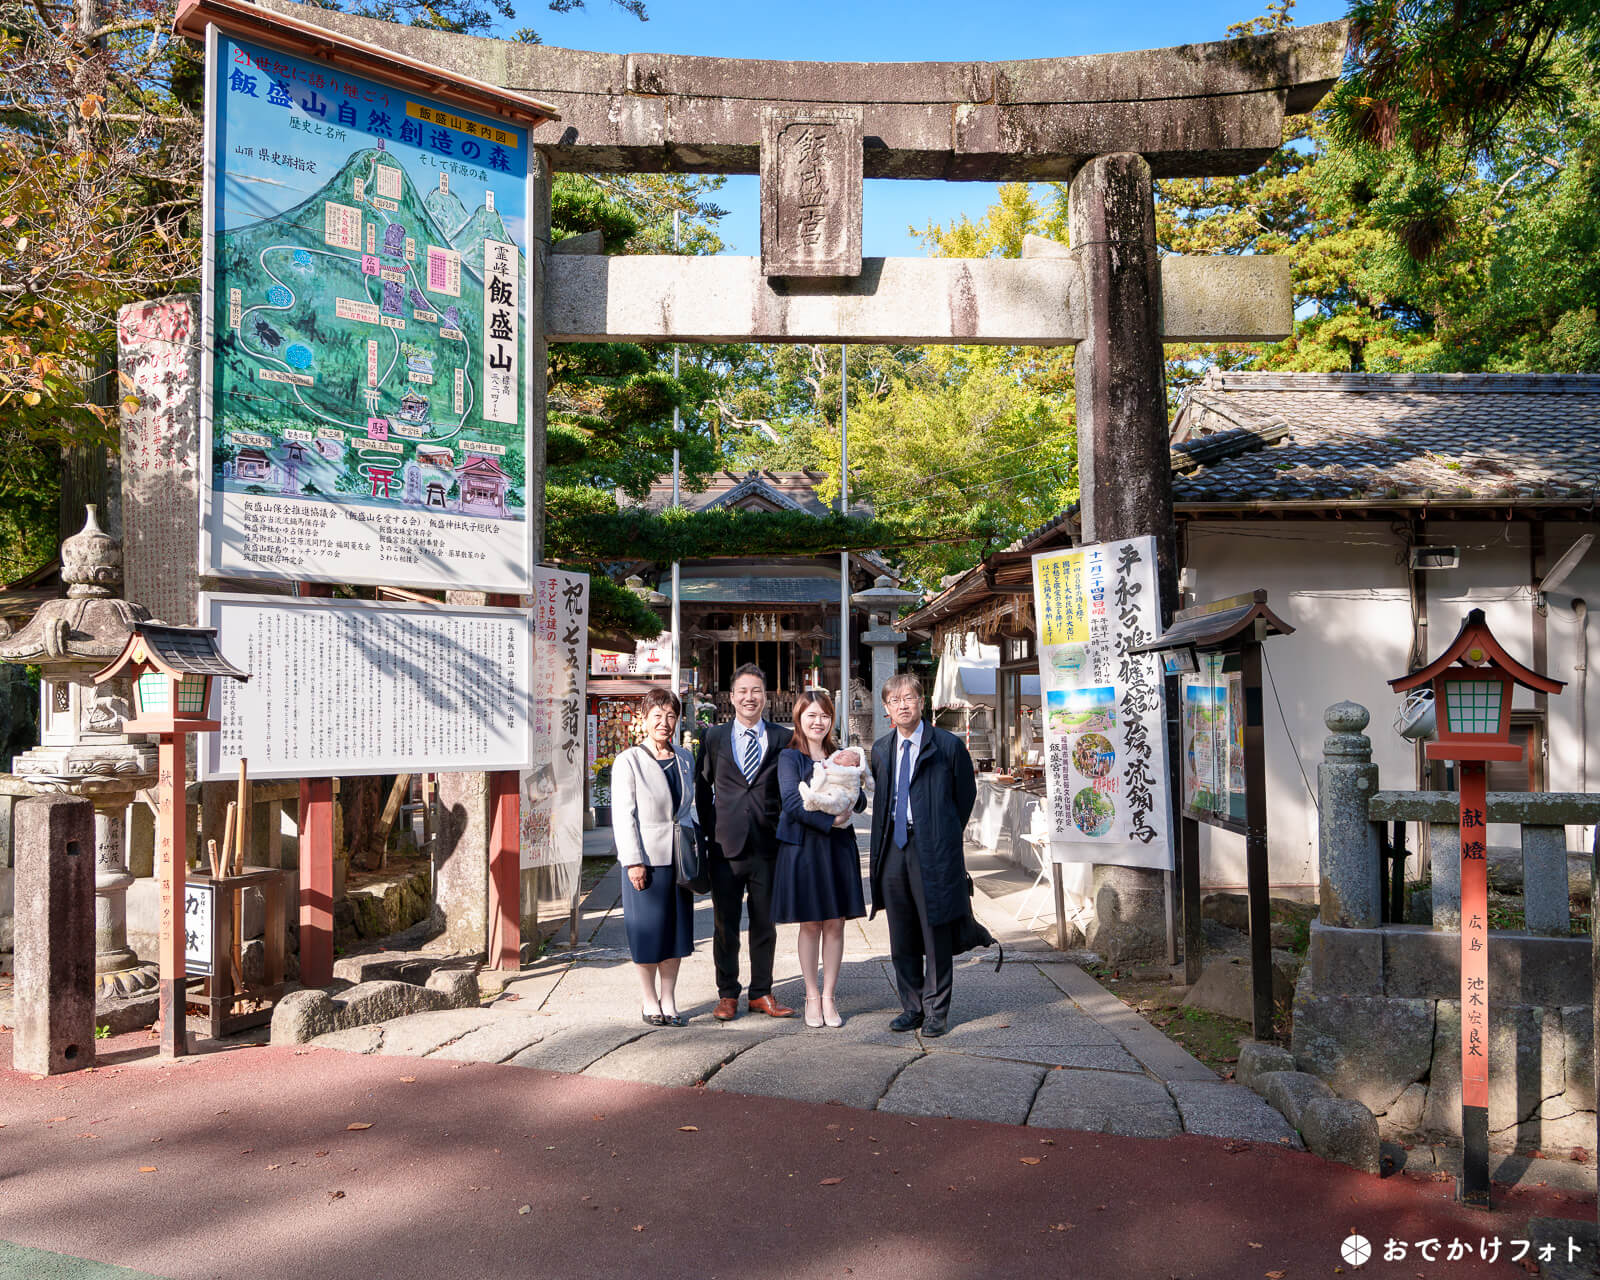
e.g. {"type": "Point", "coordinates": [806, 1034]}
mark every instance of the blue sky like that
{"type": "Point", "coordinates": [865, 31]}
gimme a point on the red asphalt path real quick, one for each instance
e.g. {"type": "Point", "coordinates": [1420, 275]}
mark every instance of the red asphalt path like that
{"type": "Point", "coordinates": [254, 1172]}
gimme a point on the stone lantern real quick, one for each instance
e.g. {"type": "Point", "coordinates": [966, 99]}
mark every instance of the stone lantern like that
{"type": "Point", "coordinates": [83, 749]}
{"type": "Point", "coordinates": [882, 602]}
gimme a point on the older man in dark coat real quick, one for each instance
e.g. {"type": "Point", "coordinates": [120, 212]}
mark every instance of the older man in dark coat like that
{"type": "Point", "coordinates": [925, 792]}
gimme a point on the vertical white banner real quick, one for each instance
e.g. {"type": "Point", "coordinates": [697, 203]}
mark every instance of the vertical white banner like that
{"type": "Point", "coordinates": [552, 787]}
{"type": "Point", "coordinates": [1103, 707]}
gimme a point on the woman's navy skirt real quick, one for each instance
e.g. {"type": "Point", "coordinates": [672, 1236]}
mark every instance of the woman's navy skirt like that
{"type": "Point", "coordinates": [659, 918]}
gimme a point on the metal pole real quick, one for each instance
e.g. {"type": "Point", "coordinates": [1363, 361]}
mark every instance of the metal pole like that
{"type": "Point", "coordinates": [844, 556]}
{"type": "Point", "coordinates": [677, 652]}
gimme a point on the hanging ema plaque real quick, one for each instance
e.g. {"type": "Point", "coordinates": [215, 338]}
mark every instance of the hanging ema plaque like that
{"type": "Point", "coordinates": [366, 295]}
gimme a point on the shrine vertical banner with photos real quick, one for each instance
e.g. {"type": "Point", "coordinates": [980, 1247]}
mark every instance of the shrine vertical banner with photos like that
{"type": "Point", "coordinates": [1103, 706]}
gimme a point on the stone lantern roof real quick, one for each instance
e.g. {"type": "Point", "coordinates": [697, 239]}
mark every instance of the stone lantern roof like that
{"type": "Point", "coordinates": [93, 623]}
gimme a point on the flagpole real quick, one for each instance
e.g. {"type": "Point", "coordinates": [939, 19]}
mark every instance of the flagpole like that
{"type": "Point", "coordinates": [677, 653]}
{"type": "Point", "coordinates": [843, 708]}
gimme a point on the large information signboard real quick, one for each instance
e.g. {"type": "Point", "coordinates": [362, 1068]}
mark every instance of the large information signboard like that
{"type": "Point", "coordinates": [1105, 740]}
{"type": "Point", "coordinates": [366, 295]}
{"type": "Point", "coordinates": [355, 687]}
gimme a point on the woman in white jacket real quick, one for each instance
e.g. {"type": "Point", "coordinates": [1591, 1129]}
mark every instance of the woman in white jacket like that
{"type": "Point", "coordinates": [652, 793]}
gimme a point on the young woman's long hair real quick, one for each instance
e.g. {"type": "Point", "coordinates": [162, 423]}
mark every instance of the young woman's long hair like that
{"type": "Point", "coordinates": [804, 699]}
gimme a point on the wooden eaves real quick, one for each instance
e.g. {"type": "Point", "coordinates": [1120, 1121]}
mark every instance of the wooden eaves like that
{"type": "Point", "coordinates": [297, 36]}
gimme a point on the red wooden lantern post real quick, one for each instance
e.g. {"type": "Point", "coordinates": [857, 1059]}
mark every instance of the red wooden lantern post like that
{"type": "Point", "coordinates": [172, 669]}
{"type": "Point", "coordinates": [1472, 686]}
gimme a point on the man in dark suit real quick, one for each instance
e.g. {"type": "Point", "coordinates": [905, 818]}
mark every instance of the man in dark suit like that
{"type": "Point", "coordinates": [737, 802]}
{"type": "Point", "coordinates": [925, 792]}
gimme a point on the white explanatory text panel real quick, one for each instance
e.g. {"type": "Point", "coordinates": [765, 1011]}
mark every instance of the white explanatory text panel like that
{"type": "Point", "coordinates": [342, 687]}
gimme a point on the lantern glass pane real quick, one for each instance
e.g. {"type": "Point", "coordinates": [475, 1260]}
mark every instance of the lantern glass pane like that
{"type": "Point", "coordinates": [1473, 706]}
{"type": "Point", "coordinates": [192, 695]}
{"type": "Point", "coordinates": [153, 692]}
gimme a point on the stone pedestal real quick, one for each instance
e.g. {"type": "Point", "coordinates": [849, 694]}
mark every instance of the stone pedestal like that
{"type": "Point", "coordinates": [1350, 876]}
{"type": "Point", "coordinates": [461, 863]}
{"type": "Point", "coordinates": [54, 1009]}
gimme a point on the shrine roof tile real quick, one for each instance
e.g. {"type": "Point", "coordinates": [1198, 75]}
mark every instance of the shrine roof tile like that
{"type": "Point", "coordinates": [1355, 438]}
{"type": "Point", "coordinates": [764, 590]}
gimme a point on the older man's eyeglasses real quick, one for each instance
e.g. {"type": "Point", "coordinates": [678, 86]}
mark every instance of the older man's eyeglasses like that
{"type": "Point", "coordinates": [904, 700]}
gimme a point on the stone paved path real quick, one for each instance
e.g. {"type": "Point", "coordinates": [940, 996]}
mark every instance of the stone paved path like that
{"type": "Point", "coordinates": [1037, 1043]}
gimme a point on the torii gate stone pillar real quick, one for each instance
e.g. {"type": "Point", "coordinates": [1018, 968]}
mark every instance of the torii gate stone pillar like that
{"type": "Point", "coordinates": [1124, 468]}
{"type": "Point", "coordinates": [1110, 124]}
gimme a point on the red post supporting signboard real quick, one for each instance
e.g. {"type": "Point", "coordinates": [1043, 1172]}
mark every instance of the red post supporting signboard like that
{"type": "Point", "coordinates": [505, 872]}
{"type": "Point", "coordinates": [171, 862]}
{"type": "Point", "coordinates": [1474, 983]}
{"type": "Point", "coordinates": [316, 882]}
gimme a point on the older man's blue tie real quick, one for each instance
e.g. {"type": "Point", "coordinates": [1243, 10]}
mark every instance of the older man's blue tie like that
{"type": "Point", "coordinates": [752, 755]}
{"type": "Point", "coordinates": [902, 796]}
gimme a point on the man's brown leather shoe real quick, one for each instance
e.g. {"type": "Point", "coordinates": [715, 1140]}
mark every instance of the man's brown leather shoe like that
{"type": "Point", "coordinates": [727, 1009]}
{"type": "Point", "coordinates": [770, 1007]}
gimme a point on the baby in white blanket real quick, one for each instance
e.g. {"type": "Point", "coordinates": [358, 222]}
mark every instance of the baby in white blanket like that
{"type": "Point", "coordinates": [836, 783]}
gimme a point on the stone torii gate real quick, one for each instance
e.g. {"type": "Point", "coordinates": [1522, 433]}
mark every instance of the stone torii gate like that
{"type": "Point", "coordinates": [1108, 124]}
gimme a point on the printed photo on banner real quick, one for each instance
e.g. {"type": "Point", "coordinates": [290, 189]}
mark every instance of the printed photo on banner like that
{"type": "Point", "coordinates": [1106, 782]}
{"type": "Point", "coordinates": [367, 277]}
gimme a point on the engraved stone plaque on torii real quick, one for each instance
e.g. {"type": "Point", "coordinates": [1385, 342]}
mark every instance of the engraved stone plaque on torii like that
{"type": "Point", "coordinates": [811, 192]}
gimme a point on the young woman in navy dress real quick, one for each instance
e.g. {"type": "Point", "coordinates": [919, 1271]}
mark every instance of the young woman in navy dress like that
{"type": "Point", "coordinates": [817, 881]}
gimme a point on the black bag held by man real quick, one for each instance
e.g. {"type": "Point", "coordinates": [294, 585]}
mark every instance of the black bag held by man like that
{"type": "Point", "coordinates": [693, 868]}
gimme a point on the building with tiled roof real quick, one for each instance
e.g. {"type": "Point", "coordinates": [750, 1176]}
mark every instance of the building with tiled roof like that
{"type": "Point", "coordinates": [780, 612]}
{"type": "Point", "coordinates": [1375, 510]}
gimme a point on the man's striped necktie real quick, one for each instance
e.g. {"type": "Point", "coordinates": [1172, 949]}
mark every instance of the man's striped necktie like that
{"type": "Point", "coordinates": [752, 755]}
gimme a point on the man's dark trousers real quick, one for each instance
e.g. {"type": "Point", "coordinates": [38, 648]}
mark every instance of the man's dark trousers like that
{"type": "Point", "coordinates": [730, 882]}
{"type": "Point", "coordinates": [922, 953]}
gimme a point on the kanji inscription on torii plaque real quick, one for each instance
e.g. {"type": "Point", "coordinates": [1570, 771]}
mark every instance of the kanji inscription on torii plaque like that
{"type": "Point", "coordinates": [811, 192]}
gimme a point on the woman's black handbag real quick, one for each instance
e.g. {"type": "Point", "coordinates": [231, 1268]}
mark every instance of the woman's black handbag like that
{"type": "Point", "coordinates": [693, 871]}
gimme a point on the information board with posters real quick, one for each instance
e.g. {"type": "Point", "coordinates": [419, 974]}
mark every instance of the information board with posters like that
{"type": "Point", "coordinates": [364, 409]}
{"type": "Point", "coordinates": [1213, 739]}
{"type": "Point", "coordinates": [345, 687]}
{"type": "Point", "coordinates": [551, 814]}
{"type": "Point", "coordinates": [1105, 740]}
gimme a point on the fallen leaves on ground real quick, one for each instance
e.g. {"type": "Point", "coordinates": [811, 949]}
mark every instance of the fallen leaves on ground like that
{"type": "Point", "coordinates": [688, 1128]}
{"type": "Point", "coordinates": [1233, 1146]}
{"type": "Point", "coordinates": [408, 1079]}
{"type": "Point", "coordinates": [525, 1209]}
{"type": "Point", "coordinates": [1061, 1226]}
{"type": "Point", "coordinates": [336, 1195]}
{"type": "Point", "coordinates": [147, 1168]}
{"type": "Point", "coordinates": [830, 1182]}
{"type": "Point", "coordinates": [1030, 1159]}
{"type": "Point", "coordinates": [358, 1124]}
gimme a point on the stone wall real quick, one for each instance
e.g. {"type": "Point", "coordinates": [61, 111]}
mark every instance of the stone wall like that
{"type": "Point", "coordinates": [1377, 1009]}
{"type": "Point", "coordinates": [1377, 1016]}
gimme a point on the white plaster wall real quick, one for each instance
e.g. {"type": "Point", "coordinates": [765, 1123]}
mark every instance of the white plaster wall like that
{"type": "Point", "coordinates": [1574, 759]}
{"type": "Point", "coordinates": [1342, 585]}
{"type": "Point", "coordinates": [1339, 584]}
